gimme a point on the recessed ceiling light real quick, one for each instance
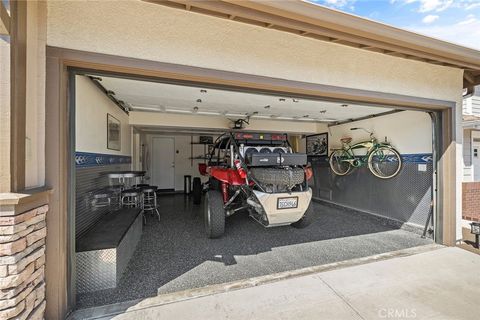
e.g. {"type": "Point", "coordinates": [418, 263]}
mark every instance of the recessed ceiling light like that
{"type": "Point", "coordinates": [306, 116]}
{"type": "Point", "coordinates": [295, 100]}
{"type": "Point", "coordinates": [281, 99]}
{"type": "Point", "coordinates": [199, 100]}
{"type": "Point", "coordinates": [195, 109]}
{"type": "Point", "coordinates": [203, 91]}
{"type": "Point", "coordinates": [344, 105]}
{"type": "Point", "coordinates": [266, 107]}
{"type": "Point", "coordinates": [323, 111]}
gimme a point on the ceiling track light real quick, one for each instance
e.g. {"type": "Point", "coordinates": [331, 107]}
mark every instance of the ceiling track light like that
{"type": "Point", "coordinates": [177, 111]}
{"type": "Point", "coordinates": [135, 108]}
{"type": "Point", "coordinates": [209, 113]}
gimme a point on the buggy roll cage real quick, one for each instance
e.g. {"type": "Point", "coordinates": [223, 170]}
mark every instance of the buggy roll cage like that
{"type": "Point", "coordinates": [227, 139]}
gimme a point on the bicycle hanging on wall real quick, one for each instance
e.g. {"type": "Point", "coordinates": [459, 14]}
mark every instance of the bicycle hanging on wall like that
{"type": "Point", "coordinates": [382, 159]}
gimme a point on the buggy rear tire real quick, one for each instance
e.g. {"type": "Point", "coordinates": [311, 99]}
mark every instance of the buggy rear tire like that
{"type": "Point", "coordinates": [214, 214]}
{"type": "Point", "coordinates": [306, 220]}
{"type": "Point", "coordinates": [197, 190]}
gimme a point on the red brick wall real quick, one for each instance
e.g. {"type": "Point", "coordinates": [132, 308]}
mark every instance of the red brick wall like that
{"type": "Point", "coordinates": [471, 201]}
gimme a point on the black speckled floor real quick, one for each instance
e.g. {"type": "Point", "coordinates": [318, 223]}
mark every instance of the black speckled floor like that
{"type": "Point", "coordinates": [175, 254]}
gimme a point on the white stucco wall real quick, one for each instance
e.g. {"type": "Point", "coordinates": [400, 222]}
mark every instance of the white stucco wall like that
{"type": "Point", "coordinates": [35, 95]}
{"type": "Point", "coordinates": [153, 32]}
{"type": "Point", "coordinates": [91, 108]}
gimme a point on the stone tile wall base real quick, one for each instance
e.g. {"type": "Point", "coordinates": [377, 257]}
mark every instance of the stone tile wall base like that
{"type": "Point", "coordinates": [22, 264]}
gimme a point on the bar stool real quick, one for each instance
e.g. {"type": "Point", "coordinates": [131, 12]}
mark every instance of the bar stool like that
{"type": "Point", "coordinates": [149, 200]}
{"type": "Point", "coordinates": [116, 194]}
{"type": "Point", "coordinates": [132, 198]}
{"type": "Point", "coordinates": [101, 198]}
{"type": "Point", "coordinates": [141, 185]}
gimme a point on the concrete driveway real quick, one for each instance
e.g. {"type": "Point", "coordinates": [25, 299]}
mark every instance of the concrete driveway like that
{"type": "Point", "coordinates": [433, 283]}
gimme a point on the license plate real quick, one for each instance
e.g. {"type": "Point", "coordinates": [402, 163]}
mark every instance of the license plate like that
{"type": "Point", "coordinates": [287, 203]}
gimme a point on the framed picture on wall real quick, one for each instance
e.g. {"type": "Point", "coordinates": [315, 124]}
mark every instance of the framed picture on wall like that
{"type": "Point", "coordinates": [317, 144]}
{"type": "Point", "coordinates": [113, 133]}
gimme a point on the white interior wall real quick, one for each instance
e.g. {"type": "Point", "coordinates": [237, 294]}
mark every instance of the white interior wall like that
{"type": "Point", "coordinates": [183, 151]}
{"type": "Point", "coordinates": [92, 106]}
{"type": "Point", "coordinates": [410, 132]}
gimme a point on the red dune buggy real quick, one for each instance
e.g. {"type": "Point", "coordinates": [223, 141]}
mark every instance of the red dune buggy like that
{"type": "Point", "coordinates": [259, 173]}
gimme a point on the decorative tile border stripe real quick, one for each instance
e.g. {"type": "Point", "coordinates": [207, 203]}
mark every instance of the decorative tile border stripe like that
{"type": "Point", "coordinates": [417, 158]}
{"type": "Point", "coordinates": [406, 158]}
{"type": "Point", "coordinates": [87, 159]}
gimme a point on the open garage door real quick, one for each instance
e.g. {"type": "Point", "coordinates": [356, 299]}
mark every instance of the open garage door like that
{"type": "Point", "coordinates": [134, 128]}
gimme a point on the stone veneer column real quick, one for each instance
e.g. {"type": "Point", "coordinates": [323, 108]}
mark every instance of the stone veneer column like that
{"type": "Point", "coordinates": [22, 254]}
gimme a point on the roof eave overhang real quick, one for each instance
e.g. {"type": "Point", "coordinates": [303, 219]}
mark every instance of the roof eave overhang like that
{"type": "Point", "coordinates": [314, 21]}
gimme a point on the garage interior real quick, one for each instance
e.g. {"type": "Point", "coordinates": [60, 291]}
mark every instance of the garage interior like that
{"type": "Point", "coordinates": [160, 128]}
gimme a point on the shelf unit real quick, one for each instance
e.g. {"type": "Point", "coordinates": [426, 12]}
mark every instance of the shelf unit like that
{"type": "Point", "coordinates": [203, 157]}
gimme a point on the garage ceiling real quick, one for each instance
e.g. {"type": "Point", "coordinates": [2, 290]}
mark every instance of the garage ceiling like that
{"type": "Point", "coordinates": [161, 97]}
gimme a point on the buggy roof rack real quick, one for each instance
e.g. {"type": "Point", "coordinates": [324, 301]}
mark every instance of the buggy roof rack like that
{"type": "Point", "coordinates": [260, 136]}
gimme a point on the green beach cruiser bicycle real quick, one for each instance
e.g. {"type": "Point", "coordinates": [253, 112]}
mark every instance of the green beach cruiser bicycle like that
{"type": "Point", "coordinates": [382, 159]}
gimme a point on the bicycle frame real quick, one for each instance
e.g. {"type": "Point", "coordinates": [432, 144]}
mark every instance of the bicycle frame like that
{"type": "Point", "coordinates": [358, 161]}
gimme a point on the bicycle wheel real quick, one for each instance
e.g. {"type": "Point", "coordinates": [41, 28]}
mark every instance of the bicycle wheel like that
{"type": "Point", "coordinates": [384, 162]}
{"type": "Point", "coordinates": [338, 164]}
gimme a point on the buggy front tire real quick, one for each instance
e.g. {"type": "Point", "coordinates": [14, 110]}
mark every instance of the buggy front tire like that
{"type": "Point", "coordinates": [197, 190]}
{"type": "Point", "coordinates": [306, 220]}
{"type": "Point", "coordinates": [214, 214]}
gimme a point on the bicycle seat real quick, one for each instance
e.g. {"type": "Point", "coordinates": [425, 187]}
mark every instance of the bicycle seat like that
{"type": "Point", "coordinates": [346, 140]}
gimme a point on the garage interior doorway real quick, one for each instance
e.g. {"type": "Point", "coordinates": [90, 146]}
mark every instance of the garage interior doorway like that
{"type": "Point", "coordinates": [167, 129]}
{"type": "Point", "coordinates": [163, 163]}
